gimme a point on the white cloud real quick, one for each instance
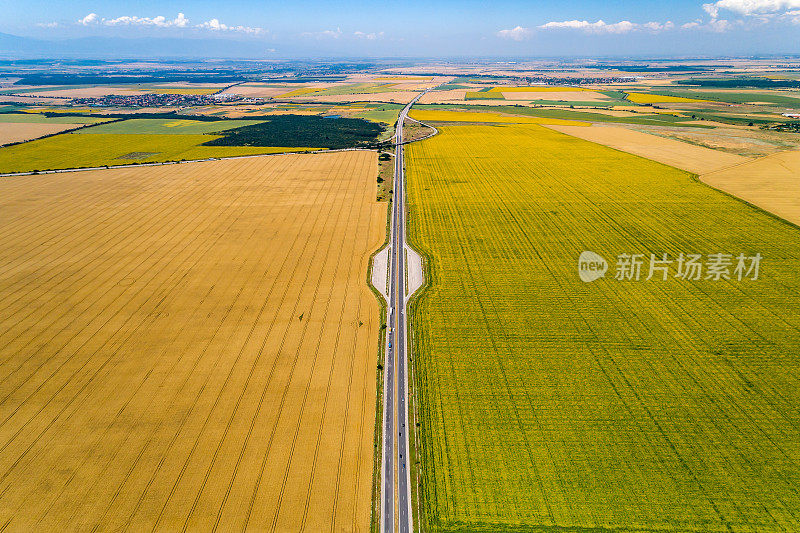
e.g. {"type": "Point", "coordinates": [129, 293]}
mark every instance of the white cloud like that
{"type": "Point", "coordinates": [752, 7]}
{"type": "Point", "coordinates": [657, 26]}
{"type": "Point", "coordinates": [216, 25]}
{"type": "Point", "coordinates": [180, 21]}
{"type": "Point", "coordinates": [330, 33]}
{"type": "Point", "coordinates": [711, 9]}
{"type": "Point", "coordinates": [327, 34]}
{"type": "Point", "coordinates": [368, 36]}
{"type": "Point", "coordinates": [763, 11]}
{"type": "Point", "coordinates": [160, 21]}
{"type": "Point", "coordinates": [89, 19]}
{"type": "Point", "coordinates": [47, 24]}
{"type": "Point", "coordinates": [515, 34]}
{"type": "Point", "coordinates": [720, 25]}
{"type": "Point", "coordinates": [600, 26]}
{"type": "Point", "coordinates": [715, 25]}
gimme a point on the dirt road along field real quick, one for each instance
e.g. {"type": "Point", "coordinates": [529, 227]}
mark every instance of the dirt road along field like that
{"type": "Point", "coordinates": [190, 347]}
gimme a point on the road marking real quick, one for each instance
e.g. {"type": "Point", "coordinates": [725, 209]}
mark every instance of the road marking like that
{"type": "Point", "coordinates": [396, 505]}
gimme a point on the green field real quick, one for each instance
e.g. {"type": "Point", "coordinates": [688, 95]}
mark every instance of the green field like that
{"type": "Point", "coordinates": [549, 404]}
{"type": "Point", "coordinates": [453, 86]}
{"type": "Point", "coordinates": [386, 113]}
{"type": "Point", "coordinates": [159, 126]}
{"type": "Point", "coordinates": [75, 151]}
{"type": "Point", "coordinates": [36, 118]}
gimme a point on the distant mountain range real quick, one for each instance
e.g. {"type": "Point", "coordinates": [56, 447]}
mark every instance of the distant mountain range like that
{"type": "Point", "coordinates": [13, 46]}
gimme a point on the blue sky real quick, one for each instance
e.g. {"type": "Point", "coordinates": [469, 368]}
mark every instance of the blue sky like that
{"type": "Point", "coordinates": [431, 28]}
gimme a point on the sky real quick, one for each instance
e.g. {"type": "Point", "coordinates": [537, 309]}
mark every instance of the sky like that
{"type": "Point", "coordinates": [416, 28]}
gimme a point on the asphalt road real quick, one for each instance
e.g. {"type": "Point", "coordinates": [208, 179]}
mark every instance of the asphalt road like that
{"type": "Point", "coordinates": [396, 478]}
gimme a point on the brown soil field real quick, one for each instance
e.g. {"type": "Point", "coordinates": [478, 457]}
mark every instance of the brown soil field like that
{"type": "Point", "coordinates": [286, 112]}
{"type": "Point", "coordinates": [400, 97]}
{"type": "Point", "coordinates": [18, 131]}
{"type": "Point", "coordinates": [452, 95]}
{"type": "Point", "coordinates": [190, 347]}
{"type": "Point", "coordinates": [673, 109]}
{"type": "Point", "coordinates": [568, 96]}
{"type": "Point", "coordinates": [423, 81]}
{"type": "Point", "coordinates": [401, 86]}
{"type": "Point", "coordinates": [11, 99]}
{"type": "Point", "coordinates": [89, 92]}
{"type": "Point", "coordinates": [770, 182]}
{"type": "Point", "coordinates": [187, 85]}
{"type": "Point", "coordinates": [616, 112]}
{"type": "Point", "coordinates": [678, 154]}
{"type": "Point", "coordinates": [256, 91]}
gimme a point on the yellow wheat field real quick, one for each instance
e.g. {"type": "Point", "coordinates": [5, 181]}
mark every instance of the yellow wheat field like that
{"type": "Point", "coordinates": [404, 78]}
{"type": "Point", "coordinates": [769, 182]}
{"type": "Point", "coordinates": [189, 347]}
{"type": "Point", "coordinates": [568, 96]}
{"type": "Point", "coordinates": [647, 98]}
{"type": "Point", "coordinates": [538, 89]}
{"type": "Point", "coordinates": [302, 91]}
{"type": "Point", "coordinates": [436, 115]}
{"type": "Point", "coordinates": [255, 90]}
{"type": "Point", "coordinates": [447, 96]}
{"type": "Point", "coordinates": [184, 90]}
{"type": "Point", "coordinates": [678, 154]}
{"type": "Point", "coordinates": [12, 132]}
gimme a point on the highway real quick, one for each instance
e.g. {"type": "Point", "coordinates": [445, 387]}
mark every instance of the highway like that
{"type": "Point", "coordinates": [396, 482]}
